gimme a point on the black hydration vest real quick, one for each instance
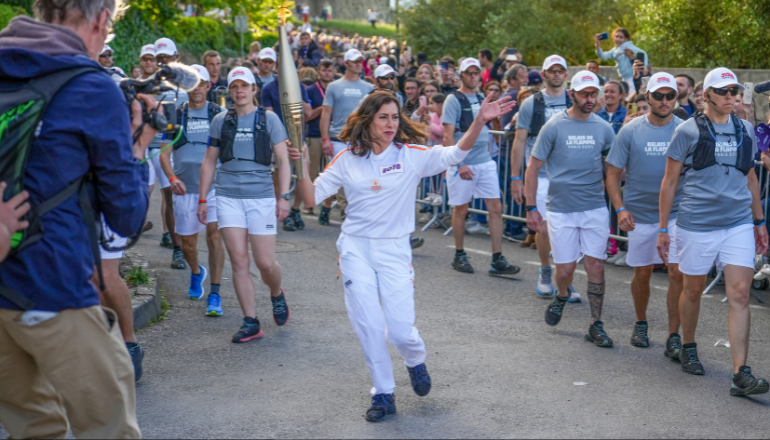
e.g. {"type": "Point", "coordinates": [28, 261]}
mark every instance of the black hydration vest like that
{"type": "Point", "coordinates": [538, 115]}
{"type": "Point", "coordinates": [466, 114]}
{"type": "Point", "coordinates": [704, 157]}
{"type": "Point", "coordinates": [181, 115]}
{"type": "Point", "coordinates": [263, 150]}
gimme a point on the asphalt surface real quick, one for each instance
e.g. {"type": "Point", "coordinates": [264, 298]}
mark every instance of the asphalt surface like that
{"type": "Point", "coordinates": [498, 370]}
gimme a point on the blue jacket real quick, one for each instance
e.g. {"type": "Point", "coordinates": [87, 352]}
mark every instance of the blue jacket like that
{"type": "Point", "coordinates": [625, 66]}
{"type": "Point", "coordinates": [617, 119]}
{"type": "Point", "coordinates": [86, 128]}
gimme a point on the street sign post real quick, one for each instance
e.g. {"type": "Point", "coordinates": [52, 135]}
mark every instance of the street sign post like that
{"type": "Point", "coordinates": [241, 26]}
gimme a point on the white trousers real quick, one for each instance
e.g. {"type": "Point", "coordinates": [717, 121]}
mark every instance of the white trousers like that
{"type": "Point", "coordinates": [379, 297]}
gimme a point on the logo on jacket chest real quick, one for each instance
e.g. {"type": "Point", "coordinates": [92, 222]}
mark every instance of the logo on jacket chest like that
{"type": "Point", "coordinates": [397, 167]}
{"type": "Point", "coordinates": [376, 185]}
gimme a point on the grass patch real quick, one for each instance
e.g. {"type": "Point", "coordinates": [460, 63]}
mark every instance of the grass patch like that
{"type": "Point", "coordinates": [360, 27]}
{"type": "Point", "coordinates": [163, 308]}
{"type": "Point", "coordinates": [137, 276]}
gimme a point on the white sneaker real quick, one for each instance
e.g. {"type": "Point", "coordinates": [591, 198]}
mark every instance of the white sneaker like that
{"type": "Point", "coordinates": [621, 260]}
{"type": "Point", "coordinates": [477, 228]}
{"type": "Point", "coordinates": [760, 276]}
{"type": "Point", "coordinates": [544, 286]}
{"type": "Point", "coordinates": [574, 297]}
{"type": "Point", "coordinates": [766, 269]}
{"type": "Point", "coordinates": [613, 258]}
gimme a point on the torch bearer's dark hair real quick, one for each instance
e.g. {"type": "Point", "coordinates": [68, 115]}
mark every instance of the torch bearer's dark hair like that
{"type": "Point", "coordinates": [357, 132]}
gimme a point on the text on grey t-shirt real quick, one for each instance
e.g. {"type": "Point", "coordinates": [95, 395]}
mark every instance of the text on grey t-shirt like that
{"type": "Point", "coordinates": [527, 110]}
{"type": "Point", "coordinates": [343, 97]}
{"type": "Point", "coordinates": [451, 115]}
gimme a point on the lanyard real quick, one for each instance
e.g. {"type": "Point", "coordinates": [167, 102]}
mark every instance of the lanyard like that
{"type": "Point", "coordinates": [321, 89]}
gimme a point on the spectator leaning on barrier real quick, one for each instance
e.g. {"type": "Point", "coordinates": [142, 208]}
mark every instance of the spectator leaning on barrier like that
{"type": "Point", "coordinates": [685, 85]}
{"type": "Point", "coordinates": [64, 362]}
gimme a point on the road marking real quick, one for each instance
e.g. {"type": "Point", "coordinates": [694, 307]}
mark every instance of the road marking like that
{"type": "Point", "coordinates": [474, 251]}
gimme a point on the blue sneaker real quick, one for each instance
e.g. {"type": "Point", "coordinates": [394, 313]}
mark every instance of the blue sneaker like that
{"type": "Point", "coordinates": [196, 284]}
{"type": "Point", "coordinates": [382, 405]}
{"type": "Point", "coordinates": [420, 379]}
{"type": "Point", "coordinates": [280, 309]}
{"type": "Point", "coordinates": [215, 305]}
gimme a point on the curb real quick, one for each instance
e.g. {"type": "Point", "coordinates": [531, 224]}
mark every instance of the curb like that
{"type": "Point", "coordinates": [145, 299]}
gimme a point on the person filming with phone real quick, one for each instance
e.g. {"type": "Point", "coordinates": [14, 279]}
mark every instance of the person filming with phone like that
{"type": "Point", "coordinates": [624, 53]}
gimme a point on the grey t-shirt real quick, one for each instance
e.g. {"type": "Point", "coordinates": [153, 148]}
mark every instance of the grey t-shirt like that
{"type": "Point", "coordinates": [451, 115]}
{"type": "Point", "coordinates": [573, 152]}
{"type": "Point", "coordinates": [178, 99]}
{"type": "Point", "coordinates": [640, 149]}
{"type": "Point", "coordinates": [189, 157]}
{"type": "Point", "coordinates": [527, 110]}
{"type": "Point", "coordinates": [716, 197]}
{"type": "Point", "coordinates": [265, 80]}
{"type": "Point", "coordinates": [343, 97]}
{"type": "Point", "coordinates": [246, 179]}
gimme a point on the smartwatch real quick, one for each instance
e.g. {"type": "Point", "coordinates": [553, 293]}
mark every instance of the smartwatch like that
{"type": "Point", "coordinates": [286, 196]}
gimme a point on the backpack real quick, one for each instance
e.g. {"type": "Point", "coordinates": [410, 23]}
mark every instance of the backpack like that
{"type": "Point", "coordinates": [466, 112]}
{"type": "Point", "coordinates": [263, 149]}
{"type": "Point", "coordinates": [704, 155]}
{"type": "Point", "coordinates": [538, 114]}
{"type": "Point", "coordinates": [181, 116]}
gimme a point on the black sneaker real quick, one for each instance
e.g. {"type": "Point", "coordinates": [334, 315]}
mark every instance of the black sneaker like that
{"type": "Point", "coordinates": [177, 260]}
{"type": "Point", "coordinates": [323, 217]}
{"type": "Point", "coordinates": [288, 224]}
{"type": "Point", "coordinates": [166, 242]}
{"type": "Point", "coordinates": [298, 223]}
{"type": "Point", "coordinates": [555, 309]}
{"type": "Point", "coordinates": [280, 309]}
{"type": "Point", "coordinates": [147, 226]}
{"type": "Point", "coordinates": [745, 384]}
{"type": "Point", "coordinates": [461, 264]}
{"type": "Point", "coordinates": [639, 338]}
{"type": "Point", "coordinates": [248, 331]}
{"type": "Point", "coordinates": [598, 336]}
{"type": "Point", "coordinates": [690, 362]}
{"type": "Point", "coordinates": [416, 242]}
{"type": "Point", "coordinates": [673, 347]}
{"type": "Point", "coordinates": [382, 405]}
{"type": "Point", "coordinates": [502, 268]}
{"type": "Point", "coordinates": [420, 379]}
{"type": "Point", "coordinates": [137, 355]}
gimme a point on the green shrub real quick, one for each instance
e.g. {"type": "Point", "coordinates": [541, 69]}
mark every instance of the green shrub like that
{"type": "Point", "coordinates": [8, 12]}
{"type": "Point", "coordinates": [131, 33]}
{"type": "Point", "coordinates": [268, 39]}
{"type": "Point", "coordinates": [196, 34]}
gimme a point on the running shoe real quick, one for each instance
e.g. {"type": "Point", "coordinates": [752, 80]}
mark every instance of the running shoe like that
{"type": "Point", "coordinates": [196, 284]}
{"type": "Point", "coordinates": [288, 224]}
{"type": "Point", "coordinates": [690, 362]}
{"type": "Point", "coordinates": [382, 405]}
{"type": "Point", "coordinates": [147, 226]}
{"type": "Point", "coordinates": [613, 258]}
{"type": "Point", "coordinates": [639, 338]}
{"type": "Point", "coordinates": [137, 355]}
{"type": "Point", "coordinates": [673, 347]}
{"type": "Point", "coordinates": [323, 217]}
{"type": "Point", "coordinates": [744, 383]}
{"type": "Point", "coordinates": [177, 260]}
{"type": "Point", "coordinates": [621, 260]}
{"type": "Point", "coordinates": [298, 223]}
{"type": "Point", "coordinates": [598, 336]}
{"type": "Point", "coordinates": [166, 242]}
{"type": "Point", "coordinates": [214, 307]}
{"type": "Point", "coordinates": [280, 309]}
{"type": "Point", "coordinates": [248, 331]}
{"type": "Point", "coordinates": [502, 268]}
{"type": "Point", "coordinates": [416, 242]}
{"type": "Point", "coordinates": [544, 286]}
{"type": "Point", "coordinates": [765, 269]}
{"type": "Point", "coordinates": [461, 264]}
{"type": "Point", "coordinates": [420, 379]}
{"type": "Point", "coordinates": [574, 296]}
{"type": "Point", "coordinates": [515, 238]}
{"type": "Point", "coordinates": [477, 228]}
{"type": "Point", "coordinates": [555, 309]}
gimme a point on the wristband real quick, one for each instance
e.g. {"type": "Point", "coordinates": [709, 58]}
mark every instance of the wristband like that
{"type": "Point", "coordinates": [530, 208]}
{"type": "Point", "coordinates": [762, 224]}
{"type": "Point", "coordinates": [759, 222]}
{"type": "Point", "coordinates": [515, 178]}
{"type": "Point", "coordinates": [201, 201]}
{"type": "Point", "coordinates": [618, 211]}
{"type": "Point", "coordinates": [172, 179]}
{"type": "Point", "coordinates": [660, 231]}
{"type": "Point", "coordinates": [324, 139]}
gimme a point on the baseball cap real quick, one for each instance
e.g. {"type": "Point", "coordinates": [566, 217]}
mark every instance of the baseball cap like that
{"type": "Point", "coordinates": [383, 70]}
{"type": "Point", "coordinates": [147, 49]}
{"type": "Point", "coordinates": [353, 55]}
{"type": "Point", "coordinates": [106, 48]}
{"type": "Point", "coordinates": [554, 60]}
{"type": "Point", "coordinates": [661, 80]}
{"type": "Point", "coordinates": [468, 63]}
{"type": "Point", "coordinates": [583, 80]}
{"type": "Point", "coordinates": [267, 54]}
{"type": "Point", "coordinates": [164, 46]}
{"type": "Point", "coordinates": [202, 72]}
{"type": "Point", "coordinates": [241, 73]}
{"type": "Point", "coordinates": [721, 77]}
{"type": "Point", "coordinates": [535, 78]}
{"type": "Point", "coordinates": [383, 60]}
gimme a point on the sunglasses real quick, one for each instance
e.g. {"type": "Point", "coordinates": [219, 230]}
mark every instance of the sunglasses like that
{"type": "Point", "coordinates": [659, 96]}
{"type": "Point", "coordinates": [556, 71]}
{"type": "Point", "coordinates": [584, 94]}
{"type": "Point", "coordinates": [388, 77]}
{"type": "Point", "coordinates": [733, 91]}
{"type": "Point", "coordinates": [105, 55]}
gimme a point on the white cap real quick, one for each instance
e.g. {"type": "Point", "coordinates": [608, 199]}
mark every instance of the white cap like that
{"type": "Point", "coordinates": [583, 80]}
{"type": "Point", "coordinates": [661, 80]}
{"type": "Point", "coordinates": [267, 54]}
{"type": "Point", "coordinates": [147, 49]}
{"type": "Point", "coordinates": [164, 46]}
{"type": "Point", "coordinates": [468, 63]}
{"type": "Point", "coordinates": [383, 70]}
{"type": "Point", "coordinates": [721, 77]}
{"type": "Point", "coordinates": [202, 72]}
{"type": "Point", "coordinates": [383, 60]}
{"type": "Point", "coordinates": [105, 49]}
{"type": "Point", "coordinates": [241, 73]}
{"type": "Point", "coordinates": [554, 60]}
{"type": "Point", "coordinates": [353, 54]}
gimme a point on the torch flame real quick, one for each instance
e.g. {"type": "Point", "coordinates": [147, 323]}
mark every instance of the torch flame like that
{"type": "Point", "coordinates": [284, 12]}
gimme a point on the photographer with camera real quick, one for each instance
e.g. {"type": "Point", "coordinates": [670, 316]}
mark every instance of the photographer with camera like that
{"type": "Point", "coordinates": [64, 362]}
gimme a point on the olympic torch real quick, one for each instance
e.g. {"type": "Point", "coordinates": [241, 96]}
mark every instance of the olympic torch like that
{"type": "Point", "coordinates": [291, 94]}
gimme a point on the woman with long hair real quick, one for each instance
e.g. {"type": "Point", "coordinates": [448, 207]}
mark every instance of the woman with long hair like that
{"type": "Point", "coordinates": [379, 172]}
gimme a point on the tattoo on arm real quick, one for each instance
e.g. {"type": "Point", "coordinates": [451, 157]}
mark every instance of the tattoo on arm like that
{"type": "Point", "coordinates": [596, 298]}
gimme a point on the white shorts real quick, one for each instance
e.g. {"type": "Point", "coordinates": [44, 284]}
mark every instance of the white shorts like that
{"type": "Point", "coordinates": [156, 170]}
{"type": "Point", "coordinates": [643, 245]}
{"type": "Point", "coordinates": [186, 213]}
{"type": "Point", "coordinates": [698, 251]}
{"type": "Point", "coordinates": [116, 241]}
{"type": "Point", "coordinates": [256, 215]}
{"type": "Point", "coordinates": [575, 233]}
{"type": "Point", "coordinates": [484, 185]}
{"type": "Point", "coordinates": [338, 148]}
{"type": "Point", "coordinates": [542, 196]}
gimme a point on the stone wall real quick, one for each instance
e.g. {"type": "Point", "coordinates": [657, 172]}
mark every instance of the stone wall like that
{"type": "Point", "coordinates": [351, 9]}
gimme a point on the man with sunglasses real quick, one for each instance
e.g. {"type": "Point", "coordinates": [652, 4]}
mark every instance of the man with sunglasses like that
{"type": "Point", "coordinates": [720, 220]}
{"type": "Point", "coordinates": [535, 111]}
{"type": "Point", "coordinates": [105, 58]}
{"type": "Point", "coordinates": [640, 150]}
{"type": "Point", "coordinates": [147, 61]}
{"type": "Point", "coordinates": [385, 80]}
{"type": "Point", "coordinates": [477, 176]}
{"type": "Point", "coordinates": [573, 144]}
